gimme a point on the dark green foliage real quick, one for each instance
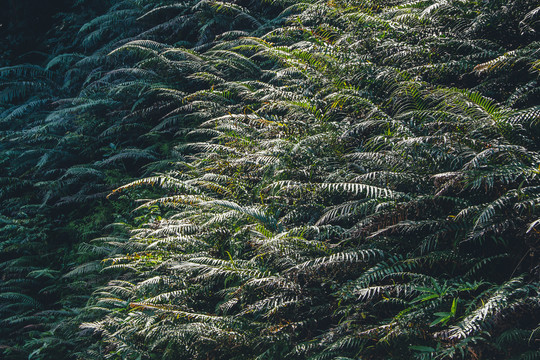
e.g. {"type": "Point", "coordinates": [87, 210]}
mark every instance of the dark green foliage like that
{"type": "Point", "coordinates": [317, 180]}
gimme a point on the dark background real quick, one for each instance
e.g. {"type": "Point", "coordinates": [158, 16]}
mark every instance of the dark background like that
{"type": "Point", "coordinates": [28, 27]}
{"type": "Point", "coordinates": [24, 25]}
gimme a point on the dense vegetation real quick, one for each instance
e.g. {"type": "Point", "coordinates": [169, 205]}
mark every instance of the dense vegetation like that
{"type": "Point", "coordinates": [274, 180]}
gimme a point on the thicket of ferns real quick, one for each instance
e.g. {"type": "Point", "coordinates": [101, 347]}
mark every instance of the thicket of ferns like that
{"type": "Point", "coordinates": [317, 180]}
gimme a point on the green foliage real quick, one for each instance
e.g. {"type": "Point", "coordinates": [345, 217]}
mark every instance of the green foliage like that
{"type": "Point", "coordinates": [314, 180]}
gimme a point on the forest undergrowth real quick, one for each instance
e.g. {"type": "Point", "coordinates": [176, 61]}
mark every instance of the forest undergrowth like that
{"type": "Point", "coordinates": [274, 180]}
